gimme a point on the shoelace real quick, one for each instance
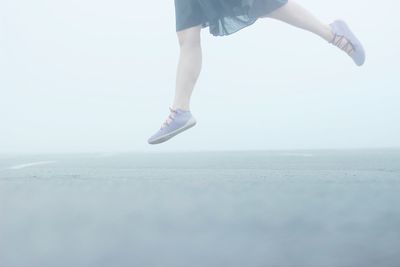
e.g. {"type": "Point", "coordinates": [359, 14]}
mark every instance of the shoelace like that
{"type": "Point", "coordinates": [170, 118]}
{"type": "Point", "coordinates": [343, 43]}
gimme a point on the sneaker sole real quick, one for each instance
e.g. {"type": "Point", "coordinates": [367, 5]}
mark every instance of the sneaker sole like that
{"type": "Point", "coordinates": [192, 122]}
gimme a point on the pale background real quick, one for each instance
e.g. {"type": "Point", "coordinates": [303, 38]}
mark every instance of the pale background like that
{"type": "Point", "coordinates": [98, 76]}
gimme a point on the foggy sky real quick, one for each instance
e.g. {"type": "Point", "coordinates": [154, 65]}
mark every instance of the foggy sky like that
{"type": "Point", "coordinates": [98, 76]}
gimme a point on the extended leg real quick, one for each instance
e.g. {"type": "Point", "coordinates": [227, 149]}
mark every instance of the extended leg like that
{"type": "Point", "coordinates": [337, 33]}
{"type": "Point", "coordinates": [294, 14]}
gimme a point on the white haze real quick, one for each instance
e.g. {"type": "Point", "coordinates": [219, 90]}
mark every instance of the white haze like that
{"type": "Point", "coordinates": [98, 76]}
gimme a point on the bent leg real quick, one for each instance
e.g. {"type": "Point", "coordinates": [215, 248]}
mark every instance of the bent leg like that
{"type": "Point", "coordinates": [189, 66]}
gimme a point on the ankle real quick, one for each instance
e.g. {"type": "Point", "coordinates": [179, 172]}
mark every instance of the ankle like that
{"type": "Point", "coordinates": [329, 35]}
{"type": "Point", "coordinates": [181, 107]}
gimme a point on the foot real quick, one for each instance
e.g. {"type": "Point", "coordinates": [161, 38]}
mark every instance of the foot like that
{"type": "Point", "coordinates": [345, 39]}
{"type": "Point", "coordinates": [178, 121]}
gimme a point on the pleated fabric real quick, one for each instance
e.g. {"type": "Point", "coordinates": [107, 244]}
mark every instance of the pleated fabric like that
{"type": "Point", "coordinates": [223, 17]}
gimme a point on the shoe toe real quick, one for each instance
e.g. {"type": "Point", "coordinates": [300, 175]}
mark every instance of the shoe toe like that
{"type": "Point", "coordinates": [154, 138]}
{"type": "Point", "coordinates": [359, 58]}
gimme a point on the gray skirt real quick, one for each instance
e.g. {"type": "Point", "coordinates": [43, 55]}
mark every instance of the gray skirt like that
{"type": "Point", "coordinates": [223, 17]}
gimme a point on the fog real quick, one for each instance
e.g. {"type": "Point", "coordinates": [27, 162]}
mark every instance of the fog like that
{"type": "Point", "coordinates": [98, 76]}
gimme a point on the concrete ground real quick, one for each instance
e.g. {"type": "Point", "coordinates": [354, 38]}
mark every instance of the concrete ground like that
{"type": "Point", "coordinates": [278, 208]}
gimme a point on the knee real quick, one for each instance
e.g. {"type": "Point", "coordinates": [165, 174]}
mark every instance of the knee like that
{"type": "Point", "coordinates": [189, 38]}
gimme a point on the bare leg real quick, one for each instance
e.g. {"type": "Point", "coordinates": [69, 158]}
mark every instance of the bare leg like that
{"type": "Point", "coordinates": [294, 14]}
{"type": "Point", "coordinates": [189, 66]}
